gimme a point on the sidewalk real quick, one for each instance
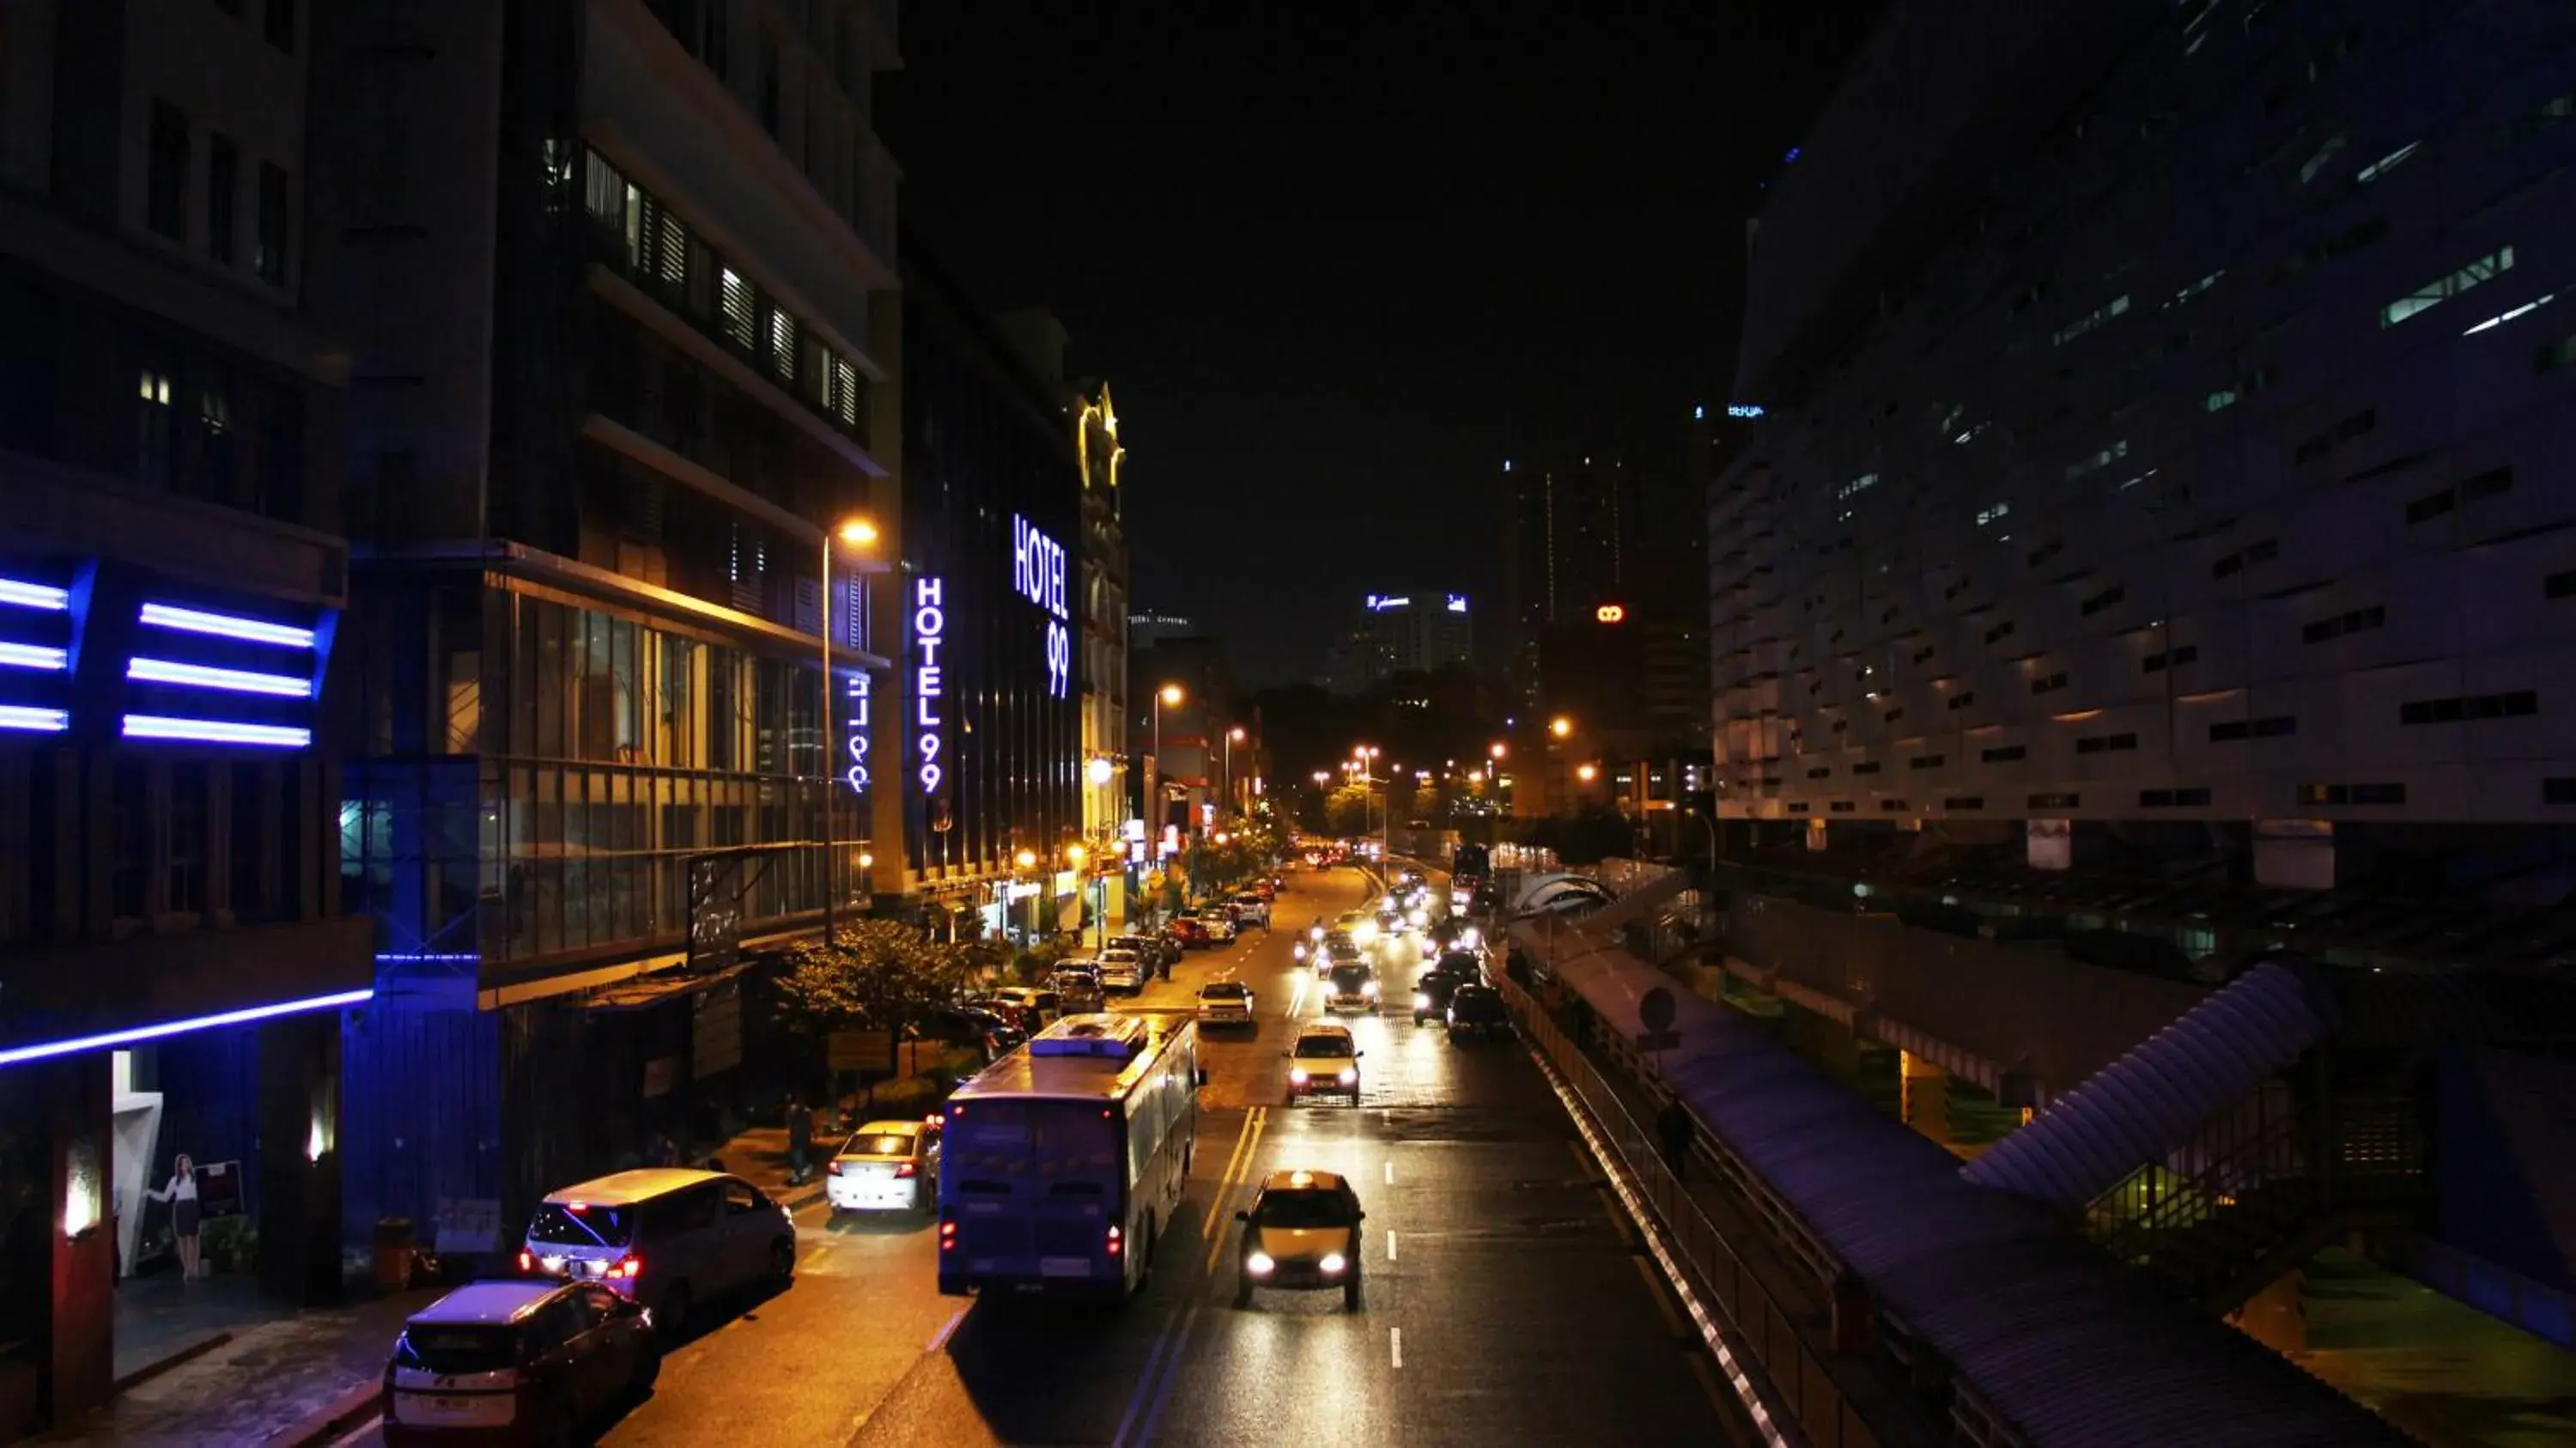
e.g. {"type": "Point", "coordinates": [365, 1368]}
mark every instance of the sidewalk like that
{"type": "Point", "coordinates": [758, 1155]}
{"type": "Point", "coordinates": [282, 1381]}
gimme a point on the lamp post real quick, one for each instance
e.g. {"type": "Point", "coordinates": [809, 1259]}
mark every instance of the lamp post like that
{"type": "Point", "coordinates": [1023, 861]}
{"type": "Point", "coordinates": [1232, 736]}
{"type": "Point", "coordinates": [860, 535]}
{"type": "Point", "coordinates": [1074, 855]}
{"type": "Point", "coordinates": [1168, 695]}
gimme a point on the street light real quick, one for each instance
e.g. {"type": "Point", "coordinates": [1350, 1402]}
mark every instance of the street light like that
{"type": "Point", "coordinates": [1587, 773]}
{"type": "Point", "coordinates": [1560, 726]}
{"type": "Point", "coordinates": [1100, 770]}
{"type": "Point", "coordinates": [860, 536]}
{"type": "Point", "coordinates": [1170, 696]}
{"type": "Point", "coordinates": [1233, 737]}
{"type": "Point", "coordinates": [1075, 854]}
{"type": "Point", "coordinates": [1496, 750]}
{"type": "Point", "coordinates": [1322, 778]}
{"type": "Point", "coordinates": [1028, 859]}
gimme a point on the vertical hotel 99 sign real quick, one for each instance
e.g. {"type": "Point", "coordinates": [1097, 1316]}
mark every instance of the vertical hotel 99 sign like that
{"type": "Point", "coordinates": [1037, 574]}
{"type": "Point", "coordinates": [929, 632]}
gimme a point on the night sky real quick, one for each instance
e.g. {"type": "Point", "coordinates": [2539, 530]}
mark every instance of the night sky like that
{"type": "Point", "coordinates": [1338, 261]}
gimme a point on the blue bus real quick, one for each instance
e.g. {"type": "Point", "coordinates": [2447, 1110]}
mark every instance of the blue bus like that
{"type": "Point", "coordinates": [1063, 1162]}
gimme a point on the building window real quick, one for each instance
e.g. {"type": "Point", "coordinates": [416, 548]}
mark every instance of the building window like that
{"type": "Point", "coordinates": [268, 259]}
{"type": "Point", "coordinates": [1866, 767]}
{"type": "Point", "coordinates": [2172, 798]}
{"type": "Point", "coordinates": [2100, 316]}
{"type": "Point", "coordinates": [165, 191]}
{"type": "Point", "coordinates": [183, 872]}
{"type": "Point", "coordinates": [2049, 685]}
{"type": "Point", "coordinates": [2333, 794]}
{"type": "Point", "coordinates": [156, 428]}
{"type": "Point", "coordinates": [782, 344]}
{"type": "Point", "coordinates": [2056, 801]}
{"type": "Point", "coordinates": [137, 820]}
{"type": "Point", "coordinates": [223, 165]}
{"type": "Point", "coordinates": [2005, 754]}
{"type": "Point", "coordinates": [1964, 802]}
{"type": "Point", "coordinates": [2386, 164]}
{"type": "Point", "coordinates": [741, 326]}
{"type": "Point", "coordinates": [2104, 599]}
{"type": "Point", "coordinates": [1962, 701]}
{"type": "Point", "coordinates": [2105, 743]}
{"type": "Point", "coordinates": [277, 23]}
{"type": "Point", "coordinates": [2441, 289]}
{"type": "Point", "coordinates": [769, 107]}
{"type": "Point", "coordinates": [2472, 708]}
{"type": "Point", "coordinates": [1927, 761]}
{"type": "Point", "coordinates": [2359, 620]}
{"type": "Point", "coordinates": [215, 441]}
{"type": "Point", "coordinates": [2236, 730]}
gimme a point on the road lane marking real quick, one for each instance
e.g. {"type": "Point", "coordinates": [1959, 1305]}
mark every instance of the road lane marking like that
{"type": "Point", "coordinates": [1164, 1338]}
{"type": "Point", "coordinates": [947, 1330]}
{"type": "Point", "coordinates": [1161, 1397]}
{"type": "Point", "coordinates": [1395, 1345]}
{"type": "Point", "coordinates": [1390, 1171]}
{"type": "Point", "coordinates": [1255, 1122]}
{"type": "Point", "coordinates": [1297, 996]}
{"type": "Point", "coordinates": [1390, 1245]}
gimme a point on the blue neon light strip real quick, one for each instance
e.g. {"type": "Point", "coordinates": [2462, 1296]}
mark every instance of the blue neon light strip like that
{"type": "Point", "coordinates": [34, 595]}
{"type": "Point", "coordinates": [225, 625]}
{"type": "Point", "coordinates": [47, 1050]}
{"type": "Point", "coordinates": [203, 676]}
{"type": "Point", "coordinates": [34, 656]}
{"type": "Point", "coordinates": [215, 731]}
{"type": "Point", "coordinates": [41, 721]}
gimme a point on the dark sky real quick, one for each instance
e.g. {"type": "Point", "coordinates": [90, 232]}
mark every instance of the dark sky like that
{"type": "Point", "coordinates": [1338, 261]}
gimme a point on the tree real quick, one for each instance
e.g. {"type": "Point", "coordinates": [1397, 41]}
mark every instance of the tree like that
{"type": "Point", "coordinates": [878, 973]}
{"type": "Point", "coordinates": [1347, 813]}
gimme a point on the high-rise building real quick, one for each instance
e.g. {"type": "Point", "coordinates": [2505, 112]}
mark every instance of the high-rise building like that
{"type": "Point", "coordinates": [615, 281]}
{"type": "Point", "coordinates": [1402, 633]}
{"type": "Point", "coordinates": [1105, 638]}
{"type": "Point", "coordinates": [175, 963]}
{"type": "Point", "coordinates": [1565, 547]}
{"type": "Point", "coordinates": [2168, 423]}
{"type": "Point", "coordinates": [1144, 630]}
{"type": "Point", "coordinates": [985, 711]}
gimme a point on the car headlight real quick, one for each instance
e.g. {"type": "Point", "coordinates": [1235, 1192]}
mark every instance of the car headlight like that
{"type": "Point", "coordinates": [1258, 1263]}
{"type": "Point", "coordinates": [1421, 1001]}
{"type": "Point", "coordinates": [1369, 989]}
{"type": "Point", "coordinates": [1297, 1076]}
{"type": "Point", "coordinates": [1333, 1262]}
{"type": "Point", "coordinates": [1349, 1076]}
{"type": "Point", "coordinates": [1317, 933]}
{"type": "Point", "coordinates": [1364, 933]}
{"type": "Point", "coordinates": [1419, 918]}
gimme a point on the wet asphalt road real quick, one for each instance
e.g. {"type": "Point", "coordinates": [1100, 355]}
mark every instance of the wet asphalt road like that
{"type": "Point", "coordinates": [1504, 1303]}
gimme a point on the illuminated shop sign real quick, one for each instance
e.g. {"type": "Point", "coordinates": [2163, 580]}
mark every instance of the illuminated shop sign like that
{"type": "Point", "coordinates": [929, 628]}
{"type": "Point", "coordinates": [1457, 603]}
{"type": "Point", "coordinates": [1037, 572]}
{"type": "Point", "coordinates": [857, 695]}
{"type": "Point", "coordinates": [1381, 602]}
{"type": "Point", "coordinates": [1746, 409]}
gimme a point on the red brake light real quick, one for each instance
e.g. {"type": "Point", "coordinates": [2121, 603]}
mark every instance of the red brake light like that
{"type": "Point", "coordinates": [527, 1260]}
{"type": "Point", "coordinates": [627, 1267]}
{"type": "Point", "coordinates": [1115, 1245]}
{"type": "Point", "coordinates": [947, 1236]}
{"type": "Point", "coordinates": [905, 1169]}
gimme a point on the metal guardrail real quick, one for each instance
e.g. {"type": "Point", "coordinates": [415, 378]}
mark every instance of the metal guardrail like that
{"type": "Point", "coordinates": [1792, 1379]}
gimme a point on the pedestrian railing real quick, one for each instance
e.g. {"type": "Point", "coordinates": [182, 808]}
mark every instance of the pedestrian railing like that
{"type": "Point", "coordinates": [1772, 1364]}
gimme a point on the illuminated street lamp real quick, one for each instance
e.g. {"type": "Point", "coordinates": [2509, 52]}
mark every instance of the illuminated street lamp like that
{"type": "Point", "coordinates": [1028, 859]}
{"type": "Point", "coordinates": [1100, 770]}
{"type": "Point", "coordinates": [1496, 750]}
{"type": "Point", "coordinates": [1168, 696]}
{"type": "Point", "coordinates": [1560, 726]}
{"type": "Point", "coordinates": [1322, 778]}
{"type": "Point", "coordinates": [1075, 854]}
{"type": "Point", "coordinates": [1587, 772]}
{"type": "Point", "coordinates": [1233, 737]}
{"type": "Point", "coordinates": [858, 535]}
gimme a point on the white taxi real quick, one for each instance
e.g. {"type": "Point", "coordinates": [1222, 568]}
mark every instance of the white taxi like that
{"type": "Point", "coordinates": [1323, 1061]}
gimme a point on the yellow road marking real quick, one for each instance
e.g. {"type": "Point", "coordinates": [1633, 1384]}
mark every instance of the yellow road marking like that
{"type": "Point", "coordinates": [1255, 1122]}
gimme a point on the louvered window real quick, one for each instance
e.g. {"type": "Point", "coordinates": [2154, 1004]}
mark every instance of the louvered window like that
{"type": "Point", "coordinates": [741, 325]}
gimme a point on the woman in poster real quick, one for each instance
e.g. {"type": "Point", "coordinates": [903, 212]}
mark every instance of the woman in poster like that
{"type": "Point", "coordinates": [181, 1194]}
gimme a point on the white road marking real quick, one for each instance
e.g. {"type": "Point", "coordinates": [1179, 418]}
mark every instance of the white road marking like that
{"type": "Point", "coordinates": [1390, 1171]}
{"type": "Point", "coordinates": [1395, 1344]}
{"type": "Point", "coordinates": [947, 1330]}
{"type": "Point", "coordinates": [1390, 1246]}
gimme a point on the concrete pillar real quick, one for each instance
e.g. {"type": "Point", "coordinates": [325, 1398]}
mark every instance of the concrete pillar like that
{"type": "Point", "coordinates": [79, 1332]}
{"type": "Point", "coordinates": [2277, 1316]}
{"type": "Point", "coordinates": [1926, 1098]}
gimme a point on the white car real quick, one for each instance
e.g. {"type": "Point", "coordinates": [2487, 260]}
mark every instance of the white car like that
{"type": "Point", "coordinates": [886, 1166]}
{"type": "Point", "coordinates": [1121, 970]}
{"type": "Point", "coordinates": [1324, 1061]}
{"type": "Point", "coordinates": [1225, 1003]}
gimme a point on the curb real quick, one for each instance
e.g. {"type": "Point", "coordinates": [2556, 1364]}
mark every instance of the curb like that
{"type": "Point", "coordinates": [188, 1353]}
{"type": "Point", "coordinates": [804, 1197]}
{"type": "Point", "coordinates": [346, 1414]}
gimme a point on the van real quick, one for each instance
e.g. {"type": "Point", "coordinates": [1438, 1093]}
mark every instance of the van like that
{"type": "Point", "coordinates": [667, 1237]}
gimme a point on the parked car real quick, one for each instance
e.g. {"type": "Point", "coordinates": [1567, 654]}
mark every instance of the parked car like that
{"type": "Point", "coordinates": [1121, 971]}
{"type": "Point", "coordinates": [668, 1237]}
{"type": "Point", "coordinates": [886, 1166]}
{"type": "Point", "coordinates": [1193, 933]}
{"type": "Point", "coordinates": [1158, 953]}
{"type": "Point", "coordinates": [538, 1361]}
{"type": "Point", "coordinates": [1031, 1008]}
{"type": "Point", "coordinates": [1078, 982]}
{"type": "Point", "coordinates": [1251, 909]}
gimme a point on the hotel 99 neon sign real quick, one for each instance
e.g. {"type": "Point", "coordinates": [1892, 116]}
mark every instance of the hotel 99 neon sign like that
{"type": "Point", "coordinates": [929, 631]}
{"type": "Point", "coordinates": [1037, 574]}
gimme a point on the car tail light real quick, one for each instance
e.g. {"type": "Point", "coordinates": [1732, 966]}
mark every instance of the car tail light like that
{"type": "Point", "coordinates": [527, 1260]}
{"type": "Point", "coordinates": [629, 1267]}
{"type": "Point", "coordinates": [835, 1167]}
{"type": "Point", "coordinates": [1116, 1244]}
{"type": "Point", "coordinates": [947, 1236]}
{"type": "Point", "coordinates": [905, 1169]}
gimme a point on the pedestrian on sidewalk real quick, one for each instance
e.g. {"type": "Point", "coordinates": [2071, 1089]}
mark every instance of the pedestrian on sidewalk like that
{"type": "Point", "coordinates": [1675, 1126]}
{"type": "Point", "coordinates": [181, 1193]}
{"type": "Point", "coordinates": [800, 1141]}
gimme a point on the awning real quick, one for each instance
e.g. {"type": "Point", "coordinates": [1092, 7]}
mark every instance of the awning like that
{"type": "Point", "coordinates": [1637, 903]}
{"type": "Point", "coordinates": [640, 992]}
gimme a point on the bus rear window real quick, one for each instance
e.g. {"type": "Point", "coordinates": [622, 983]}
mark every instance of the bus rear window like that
{"type": "Point", "coordinates": [583, 1224]}
{"type": "Point", "coordinates": [1041, 1139]}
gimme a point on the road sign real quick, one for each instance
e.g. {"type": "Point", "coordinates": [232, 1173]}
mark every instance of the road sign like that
{"type": "Point", "coordinates": [1658, 1040]}
{"type": "Point", "coordinates": [1655, 1010]}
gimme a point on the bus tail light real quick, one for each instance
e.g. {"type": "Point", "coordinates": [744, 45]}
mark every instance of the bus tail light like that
{"type": "Point", "coordinates": [1116, 1242]}
{"type": "Point", "coordinates": [947, 1235]}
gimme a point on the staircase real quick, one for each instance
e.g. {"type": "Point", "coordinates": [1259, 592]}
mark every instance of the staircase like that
{"type": "Point", "coordinates": [2262, 1188]}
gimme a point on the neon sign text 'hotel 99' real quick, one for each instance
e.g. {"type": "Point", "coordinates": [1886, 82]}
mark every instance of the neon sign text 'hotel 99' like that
{"type": "Point", "coordinates": [929, 625]}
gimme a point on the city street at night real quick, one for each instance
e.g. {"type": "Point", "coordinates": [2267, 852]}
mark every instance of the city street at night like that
{"type": "Point", "coordinates": [1498, 1271]}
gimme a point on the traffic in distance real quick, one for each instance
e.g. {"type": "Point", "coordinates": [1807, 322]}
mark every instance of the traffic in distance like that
{"type": "Point", "coordinates": [1189, 1140]}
